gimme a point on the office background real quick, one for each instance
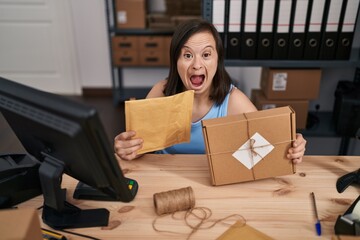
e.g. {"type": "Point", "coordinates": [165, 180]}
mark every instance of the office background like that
{"type": "Point", "coordinates": [63, 47]}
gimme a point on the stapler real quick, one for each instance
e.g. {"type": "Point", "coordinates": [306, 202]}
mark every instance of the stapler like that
{"type": "Point", "coordinates": [347, 180]}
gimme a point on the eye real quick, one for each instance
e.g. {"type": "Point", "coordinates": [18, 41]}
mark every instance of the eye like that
{"type": "Point", "coordinates": [207, 55]}
{"type": "Point", "coordinates": [188, 55]}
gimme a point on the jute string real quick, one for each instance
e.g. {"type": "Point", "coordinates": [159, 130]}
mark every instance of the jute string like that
{"type": "Point", "coordinates": [183, 200]}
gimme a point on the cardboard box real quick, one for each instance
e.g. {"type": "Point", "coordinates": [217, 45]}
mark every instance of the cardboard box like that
{"type": "Point", "coordinates": [20, 224]}
{"type": "Point", "coordinates": [125, 58]}
{"type": "Point", "coordinates": [151, 43]}
{"type": "Point", "coordinates": [120, 43]}
{"type": "Point", "coordinates": [290, 83]}
{"type": "Point", "coordinates": [301, 107]}
{"type": "Point", "coordinates": [160, 21]}
{"type": "Point", "coordinates": [152, 58]}
{"type": "Point", "coordinates": [131, 14]}
{"type": "Point", "coordinates": [229, 154]}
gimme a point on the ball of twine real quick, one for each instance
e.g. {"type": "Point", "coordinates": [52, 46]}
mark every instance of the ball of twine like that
{"type": "Point", "coordinates": [174, 200]}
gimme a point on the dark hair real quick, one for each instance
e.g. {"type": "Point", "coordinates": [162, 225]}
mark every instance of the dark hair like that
{"type": "Point", "coordinates": [221, 82]}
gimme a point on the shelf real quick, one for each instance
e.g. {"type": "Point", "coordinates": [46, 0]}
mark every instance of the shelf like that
{"type": "Point", "coordinates": [146, 31]}
{"type": "Point", "coordinates": [321, 125]}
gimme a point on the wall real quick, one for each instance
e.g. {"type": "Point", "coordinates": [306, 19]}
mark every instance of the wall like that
{"type": "Point", "coordinates": [92, 43]}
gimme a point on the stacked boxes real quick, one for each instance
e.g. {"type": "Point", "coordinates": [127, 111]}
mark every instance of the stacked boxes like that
{"type": "Point", "coordinates": [130, 14]}
{"type": "Point", "coordinates": [293, 87]}
{"type": "Point", "coordinates": [141, 50]}
{"type": "Point", "coordinates": [125, 50]}
{"type": "Point", "coordinates": [175, 13]}
{"type": "Point", "coordinates": [300, 106]}
{"type": "Point", "coordinates": [184, 7]}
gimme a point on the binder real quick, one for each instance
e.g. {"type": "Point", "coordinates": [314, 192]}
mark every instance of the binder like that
{"type": "Point", "coordinates": [313, 28]}
{"type": "Point", "coordinates": [330, 31]}
{"type": "Point", "coordinates": [234, 30]}
{"type": "Point", "coordinates": [297, 29]}
{"type": "Point", "coordinates": [266, 28]}
{"type": "Point", "coordinates": [218, 18]}
{"type": "Point", "coordinates": [347, 28]}
{"type": "Point", "coordinates": [249, 29]}
{"type": "Point", "coordinates": [282, 25]}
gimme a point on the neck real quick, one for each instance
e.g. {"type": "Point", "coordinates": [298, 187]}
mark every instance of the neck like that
{"type": "Point", "coordinates": [201, 107]}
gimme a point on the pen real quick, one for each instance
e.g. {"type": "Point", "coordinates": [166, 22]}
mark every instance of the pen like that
{"type": "Point", "coordinates": [317, 224]}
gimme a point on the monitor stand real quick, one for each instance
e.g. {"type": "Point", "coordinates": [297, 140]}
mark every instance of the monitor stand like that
{"type": "Point", "coordinates": [83, 191]}
{"type": "Point", "coordinates": [57, 212]}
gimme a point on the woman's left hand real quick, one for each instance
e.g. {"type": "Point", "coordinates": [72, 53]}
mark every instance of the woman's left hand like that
{"type": "Point", "coordinates": [297, 151]}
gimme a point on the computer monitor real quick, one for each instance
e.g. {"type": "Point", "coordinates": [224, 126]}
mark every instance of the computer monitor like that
{"type": "Point", "coordinates": [66, 137]}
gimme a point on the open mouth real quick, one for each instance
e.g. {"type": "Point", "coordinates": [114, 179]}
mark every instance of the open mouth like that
{"type": "Point", "coordinates": [197, 80]}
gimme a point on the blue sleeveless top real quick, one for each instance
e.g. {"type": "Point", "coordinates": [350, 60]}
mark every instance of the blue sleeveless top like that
{"type": "Point", "coordinates": [196, 144]}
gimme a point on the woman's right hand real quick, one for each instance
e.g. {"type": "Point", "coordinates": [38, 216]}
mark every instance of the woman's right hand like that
{"type": "Point", "coordinates": [126, 147]}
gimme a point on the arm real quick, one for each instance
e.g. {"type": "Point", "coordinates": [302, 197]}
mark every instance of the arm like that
{"type": "Point", "coordinates": [157, 90]}
{"type": "Point", "coordinates": [239, 103]}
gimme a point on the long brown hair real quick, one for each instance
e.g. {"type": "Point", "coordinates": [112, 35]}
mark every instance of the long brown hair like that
{"type": "Point", "coordinates": [221, 82]}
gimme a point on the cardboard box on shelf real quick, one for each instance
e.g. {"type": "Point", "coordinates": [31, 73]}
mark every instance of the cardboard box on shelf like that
{"type": "Point", "coordinates": [131, 14]}
{"type": "Point", "coordinates": [154, 50]}
{"type": "Point", "coordinates": [125, 58]}
{"type": "Point", "coordinates": [301, 107]}
{"type": "Point", "coordinates": [160, 21]}
{"type": "Point", "coordinates": [290, 83]}
{"type": "Point", "coordinates": [119, 43]}
{"type": "Point", "coordinates": [151, 42]}
{"type": "Point", "coordinates": [249, 146]}
{"type": "Point", "coordinates": [152, 58]}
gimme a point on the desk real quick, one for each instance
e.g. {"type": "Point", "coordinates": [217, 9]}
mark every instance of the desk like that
{"type": "Point", "coordinates": [279, 207]}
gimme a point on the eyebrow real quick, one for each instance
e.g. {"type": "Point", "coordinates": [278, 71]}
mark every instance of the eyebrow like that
{"type": "Point", "coordinates": [207, 46]}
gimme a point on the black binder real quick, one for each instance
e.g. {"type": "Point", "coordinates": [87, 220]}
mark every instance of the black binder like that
{"type": "Point", "coordinates": [330, 31]}
{"type": "Point", "coordinates": [347, 28]}
{"type": "Point", "coordinates": [219, 17]}
{"type": "Point", "coordinates": [282, 24]}
{"type": "Point", "coordinates": [297, 29]}
{"type": "Point", "coordinates": [314, 24]}
{"type": "Point", "coordinates": [249, 21]}
{"type": "Point", "coordinates": [265, 29]}
{"type": "Point", "coordinates": [234, 30]}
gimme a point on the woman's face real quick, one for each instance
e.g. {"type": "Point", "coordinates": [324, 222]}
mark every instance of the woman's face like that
{"type": "Point", "coordinates": [197, 63]}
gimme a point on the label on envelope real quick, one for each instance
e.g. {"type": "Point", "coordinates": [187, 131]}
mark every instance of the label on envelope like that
{"type": "Point", "coordinates": [253, 151]}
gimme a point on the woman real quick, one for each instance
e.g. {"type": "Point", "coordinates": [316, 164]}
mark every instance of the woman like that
{"type": "Point", "coordinates": [197, 63]}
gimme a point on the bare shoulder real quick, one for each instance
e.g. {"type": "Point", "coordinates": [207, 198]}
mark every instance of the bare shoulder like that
{"type": "Point", "coordinates": [239, 103]}
{"type": "Point", "coordinates": [157, 90]}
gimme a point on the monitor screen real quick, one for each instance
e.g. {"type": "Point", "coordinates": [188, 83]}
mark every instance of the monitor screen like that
{"type": "Point", "coordinates": [66, 137]}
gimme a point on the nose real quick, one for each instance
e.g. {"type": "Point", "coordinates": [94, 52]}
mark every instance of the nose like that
{"type": "Point", "coordinates": [197, 63]}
